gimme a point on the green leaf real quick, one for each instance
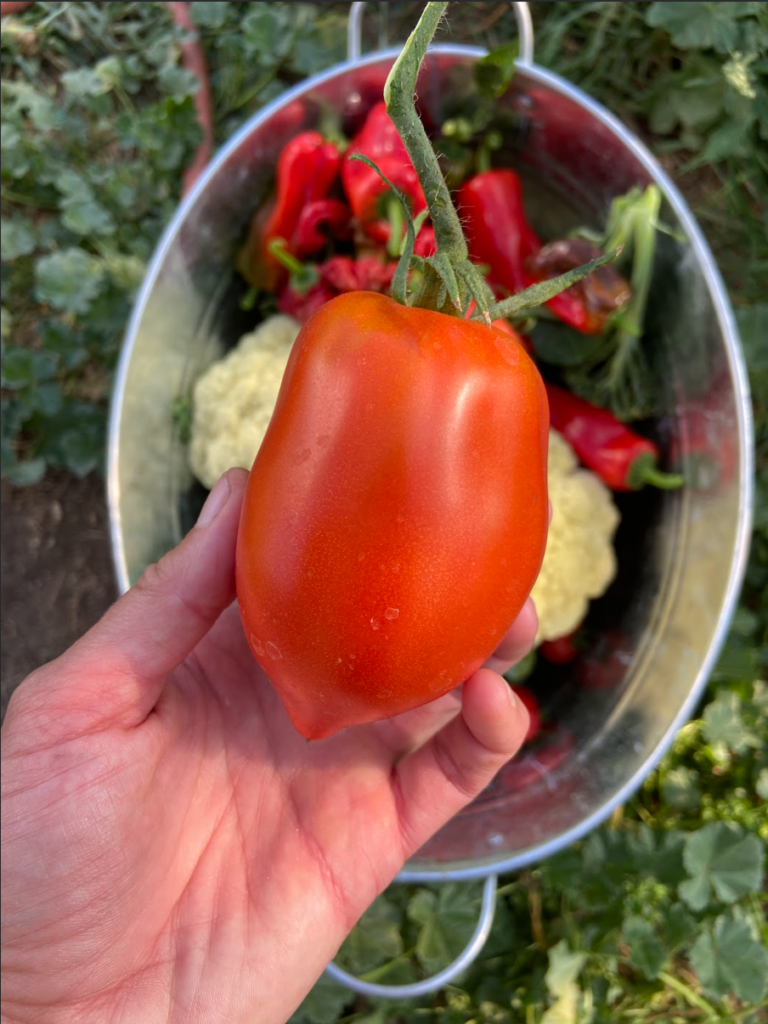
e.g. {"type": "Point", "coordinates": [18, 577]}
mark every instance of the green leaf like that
{"type": "Point", "coordinates": [678, 926]}
{"type": "Point", "coordinates": [375, 938]}
{"type": "Point", "coordinates": [565, 966]}
{"type": "Point", "coordinates": [178, 83]}
{"type": "Point", "coordinates": [17, 238]}
{"type": "Point", "coordinates": [26, 473]}
{"type": "Point", "coordinates": [22, 367]}
{"type": "Point", "coordinates": [324, 1004]}
{"type": "Point", "coordinates": [561, 345]}
{"type": "Point", "coordinates": [728, 139]}
{"type": "Point", "coordinates": [445, 923]}
{"type": "Point", "coordinates": [647, 952]}
{"type": "Point", "coordinates": [761, 785]}
{"type": "Point", "coordinates": [700, 25]}
{"type": "Point", "coordinates": [723, 723]}
{"type": "Point", "coordinates": [209, 15]}
{"type": "Point", "coordinates": [65, 344]}
{"type": "Point", "coordinates": [494, 72]}
{"type": "Point", "coordinates": [69, 280]}
{"type": "Point", "coordinates": [730, 960]}
{"type": "Point", "coordinates": [84, 82]}
{"type": "Point", "coordinates": [680, 788]}
{"type": "Point", "coordinates": [722, 858]}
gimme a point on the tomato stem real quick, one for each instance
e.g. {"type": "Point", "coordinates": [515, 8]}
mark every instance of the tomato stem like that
{"type": "Point", "coordinates": [450, 271]}
{"type": "Point", "coordinates": [450, 279]}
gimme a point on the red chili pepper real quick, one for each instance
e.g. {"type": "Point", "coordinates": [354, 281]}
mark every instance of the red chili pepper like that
{"type": "Point", "coordinates": [560, 651]}
{"type": "Point", "coordinates": [498, 233]}
{"type": "Point", "coordinates": [379, 140]}
{"type": "Point", "coordinates": [499, 236]}
{"type": "Point", "coordinates": [318, 221]}
{"type": "Point", "coordinates": [306, 170]}
{"type": "Point", "coordinates": [366, 273]}
{"type": "Point", "coordinates": [530, 703]}
{"type": "Point", "coordinates": [621, 458]}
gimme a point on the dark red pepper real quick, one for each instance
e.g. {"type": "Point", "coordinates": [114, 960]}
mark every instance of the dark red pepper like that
{"type": "Point", "coordinates": [591, 302]}
{"type": "Point", "coordinates": [560, 651]}
{"type": "Point", "coordinates": [318, 221]}
{"type": "Point", "coordinates": [499, 236]}
{"type": "Point", "coordinates": [311, 286]}
{"type": "Point", "coordinates": [621, 458]}
{"type": "Point", "coordinates": [379, 140]}
{"type": "Point", "coordinates": [306, 171]}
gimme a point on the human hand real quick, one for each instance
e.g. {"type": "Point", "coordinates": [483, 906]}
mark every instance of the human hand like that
{"type": "Point", "coordinates": [173, 850]}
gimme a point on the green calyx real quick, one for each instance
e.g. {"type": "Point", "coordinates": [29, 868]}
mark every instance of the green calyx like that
{"type": "Point", "coordinates": [449, 280]}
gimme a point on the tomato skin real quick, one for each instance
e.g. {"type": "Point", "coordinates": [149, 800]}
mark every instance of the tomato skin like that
{"type": "Point", "coordinates": [395, 518]}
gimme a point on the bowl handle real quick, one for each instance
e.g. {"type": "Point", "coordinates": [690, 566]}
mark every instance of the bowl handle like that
{"type": "Point", "coordinates": [442, 978]}
{"type": "Point", "coordinates": [522, 14]}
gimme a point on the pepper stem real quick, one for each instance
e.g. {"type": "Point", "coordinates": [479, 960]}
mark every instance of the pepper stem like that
{"type": "Point", "coordinates": [644, 471]}
{"type": "Point", "coordinates": [303, 275]}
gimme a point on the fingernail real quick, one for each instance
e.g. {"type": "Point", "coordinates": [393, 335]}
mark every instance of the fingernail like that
{"type": "Point", "coordinates": [514, 700]}
{"type": "Point", "coordinates": [214, 503]}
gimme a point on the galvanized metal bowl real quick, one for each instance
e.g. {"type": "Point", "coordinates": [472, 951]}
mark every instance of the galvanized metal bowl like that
{"type": "Point", "coordinates": [683, 553]}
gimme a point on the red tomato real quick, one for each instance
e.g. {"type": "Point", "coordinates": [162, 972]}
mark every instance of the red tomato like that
{"type": "Point", "coordinates": [531, 704]}
{"type": "Point", "coordinates": [396, 515]}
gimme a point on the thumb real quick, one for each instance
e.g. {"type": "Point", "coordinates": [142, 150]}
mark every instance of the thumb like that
{"type": "Point", "coordinates": [116, 672]}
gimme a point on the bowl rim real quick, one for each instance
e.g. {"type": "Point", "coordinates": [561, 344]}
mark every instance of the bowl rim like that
{"type": "Point", "coordinates": [736, 365]}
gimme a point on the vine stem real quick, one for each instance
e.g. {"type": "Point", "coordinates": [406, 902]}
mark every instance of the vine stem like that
{"type": "Point", "coordinates": [399, 92]}
{"type": "Point", "coordinates": [450, 278]}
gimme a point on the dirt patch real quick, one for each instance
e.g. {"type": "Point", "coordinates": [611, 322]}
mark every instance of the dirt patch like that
{"type": "Point", "coordinates": [57, 576]}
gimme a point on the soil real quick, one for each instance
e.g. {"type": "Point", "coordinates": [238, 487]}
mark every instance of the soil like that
{"type": "Point", "coordinates": [57, 576]}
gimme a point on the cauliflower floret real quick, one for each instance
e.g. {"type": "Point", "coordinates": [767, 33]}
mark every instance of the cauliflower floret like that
{"type": "Point", "coordinates": [233, 401]}
{"type": "Point", "coordinates": [579, 562]}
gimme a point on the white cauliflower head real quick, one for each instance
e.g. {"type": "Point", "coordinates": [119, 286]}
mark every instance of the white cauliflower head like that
{"type": "Point", "coordinates": [580, 562]}
{"type": "Point", "coordinates": [233, 401]}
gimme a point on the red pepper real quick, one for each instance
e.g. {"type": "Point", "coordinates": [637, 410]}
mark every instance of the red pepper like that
{"type": "Point", "coordinates": [560, 651]}
{"type": "Point", "coordinates": [306, 170]}
{"type": "Point", "coordinates": [380, 142]}
{"type": "Point", "coordinates": [319, 220]}
{"type": "Point", "coordinates": [528, 700]}
{"type": "Point", "coordinates": [498, 233]}
{"type": "Point", "coordinates": [425, 244]}
{"type": "Point", "coordinates": [499, 236]}
{"type": "Point", "coordinates": [312, 286]}
{"type": "Point", "coordinates": [621, 458]}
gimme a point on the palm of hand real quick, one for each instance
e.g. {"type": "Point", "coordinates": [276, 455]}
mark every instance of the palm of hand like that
{"type": "Point", "coordinates": [187, 864]}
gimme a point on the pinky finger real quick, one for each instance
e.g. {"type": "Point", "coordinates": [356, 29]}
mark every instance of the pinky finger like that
{"type": "Point", "coordinates": [435, 782]}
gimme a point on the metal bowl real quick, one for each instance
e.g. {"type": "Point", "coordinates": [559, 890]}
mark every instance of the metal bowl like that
{"type": "Point", "coordinates": [681, 572]}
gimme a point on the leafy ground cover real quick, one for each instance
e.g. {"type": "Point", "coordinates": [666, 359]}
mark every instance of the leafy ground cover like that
{"type": "Point", "coordinates": [660, 915]}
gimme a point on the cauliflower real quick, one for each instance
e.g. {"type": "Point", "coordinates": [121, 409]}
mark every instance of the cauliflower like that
{"type": "Point", "coordinates": [234, 399]}
{"type": "Point", "coordinates": [579, 562]}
